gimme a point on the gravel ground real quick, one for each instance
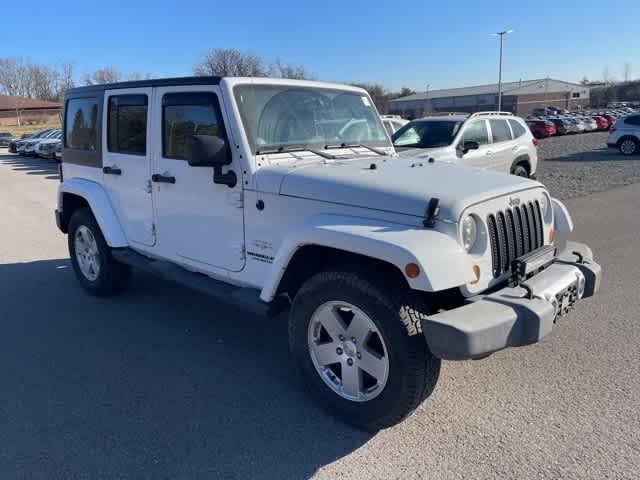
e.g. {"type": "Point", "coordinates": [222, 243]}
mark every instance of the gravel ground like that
{"type": "Point", "coordinates": [576, 165]}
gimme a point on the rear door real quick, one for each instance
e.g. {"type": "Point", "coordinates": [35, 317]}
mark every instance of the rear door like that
{"type": "Point", "coordinates": [504, 148]}
{"type": "Point", "coordinates": [126, 161]}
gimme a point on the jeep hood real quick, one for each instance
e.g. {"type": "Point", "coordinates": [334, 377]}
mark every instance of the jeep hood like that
{"type": "Point", "coordinates": [398, 184]}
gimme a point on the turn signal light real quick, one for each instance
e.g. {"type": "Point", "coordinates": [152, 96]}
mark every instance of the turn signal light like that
{"type": "Point", "coordinates": [411, 270]}
{"type": "Point", "coordinates": [535, 142]}
{"type": "Point", "coordinates": [476, 272]}
{"type": "Point", "coordinates": [552, 235]}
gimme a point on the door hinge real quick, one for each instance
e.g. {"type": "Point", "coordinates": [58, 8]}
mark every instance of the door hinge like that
{"type": "Point", "coordinates": [236, 199]}
{"type": "Point", "coordinates": [148, 189]}
{"type": "Point", "coordinates": [153, 230]}
{"type": "Point", "coordinates": [239, 250]}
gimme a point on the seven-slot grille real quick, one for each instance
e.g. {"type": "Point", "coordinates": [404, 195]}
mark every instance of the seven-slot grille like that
{"type": "Point", "coordinates": [513, 233]}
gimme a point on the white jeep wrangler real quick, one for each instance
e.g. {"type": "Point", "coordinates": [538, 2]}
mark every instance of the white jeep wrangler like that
{"type": "Point", "coordinates": [280, 193]}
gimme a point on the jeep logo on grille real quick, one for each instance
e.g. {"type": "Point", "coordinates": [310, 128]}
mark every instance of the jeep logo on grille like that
{"type": "Point", "coordinates": [514, 201]}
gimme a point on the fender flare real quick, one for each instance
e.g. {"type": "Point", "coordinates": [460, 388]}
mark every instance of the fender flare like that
{"type": "Point", "coordinates": [442, 261]}
{"type": "Point", "coordinates": [101, 208]}
{"type": "Point", "coordinates": [562, 221]}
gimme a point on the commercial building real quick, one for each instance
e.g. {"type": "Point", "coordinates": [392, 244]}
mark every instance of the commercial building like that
{"type": "Point", "coordinates": [21, 111]}
{"type": "Point", "coordinates": [517, 97]}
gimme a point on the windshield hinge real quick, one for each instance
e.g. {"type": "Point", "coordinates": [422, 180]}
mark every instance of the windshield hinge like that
{"type": "Point", "coordinates": [432, 213]}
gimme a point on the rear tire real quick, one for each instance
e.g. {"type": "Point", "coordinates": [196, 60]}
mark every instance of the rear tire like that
{"type": "Point", "coordinates": [411, 371]}
{"type": "Point", "coordinates": [628, 146]}
{"type": "Point", "coordinates": [95, 268]}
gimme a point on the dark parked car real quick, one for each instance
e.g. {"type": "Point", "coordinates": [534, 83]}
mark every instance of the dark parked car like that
{"type": "Point", "coordinates": [562, 128]}
{"type": "Point", "coordinates": [15, 144]}
{"type": "Point", "coordinates": [5, 139]}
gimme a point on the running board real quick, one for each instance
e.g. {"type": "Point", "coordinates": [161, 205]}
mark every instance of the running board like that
{"type": "Point", "coordinates": [241, 297]}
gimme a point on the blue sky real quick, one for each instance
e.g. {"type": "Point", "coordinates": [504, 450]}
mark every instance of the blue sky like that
{"type": "Point", "coordinates": [408, 43]}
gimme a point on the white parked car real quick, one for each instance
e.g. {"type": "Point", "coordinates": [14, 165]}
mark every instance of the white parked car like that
{"type": "Point", "coordinates": [46, 147]}
{"type": "Point", "coordinates": [393, 123]}
{"type": "Point", "coordinates": [274, 193]}
{"type": "Point", "coordinates": [625, 135]}
{"type": "Point", "coordinates": [490, 140]}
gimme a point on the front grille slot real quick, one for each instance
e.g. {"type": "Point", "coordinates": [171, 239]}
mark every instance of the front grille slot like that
{"type": "Point", "coordinates": [513, 233]}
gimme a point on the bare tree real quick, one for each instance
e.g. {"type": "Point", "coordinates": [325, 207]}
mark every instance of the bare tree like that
{"type": "Point", "coordinates": [230, 62]}
{"type": "Point", "coordinates": [103, 75]}
{"type": "Point", "coordinates": [378, 94]}
{"type": "Point", "coordinates": [283, 70]}
{"type": "Point", "coordinates": [627, 72]}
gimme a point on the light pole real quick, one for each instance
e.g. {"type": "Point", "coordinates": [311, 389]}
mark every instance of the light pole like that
{"type": "Point", "coordinates": [501, 35]}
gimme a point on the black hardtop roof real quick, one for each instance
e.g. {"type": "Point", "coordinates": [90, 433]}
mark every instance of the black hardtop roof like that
{"type": "Point", "coordinates": [156, 82]}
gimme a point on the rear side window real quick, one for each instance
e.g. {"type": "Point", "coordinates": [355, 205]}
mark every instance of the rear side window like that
{"type": "Point", "coordinates": [476, 132]}
{"type": "Point", "coordinates": [127, 129]}
{"type": "Point", "coordinates": [634, 120]}
{"type": "Point", "coordinates": [81, 124]}
{"type": "Point", "coordinates": [500, 131]}
{"type": "Point", "coordinates": [185, 114]}
{"type": "Point", "coordinates": [518, 129]}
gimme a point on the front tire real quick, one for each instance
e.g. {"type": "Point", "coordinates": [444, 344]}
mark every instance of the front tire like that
{"type": "Point", "coordinates": [350, 340]}
{"type": "Point", "coordinates": [95, 268]}
{"type": "Point", "coordinates": [520, 171]}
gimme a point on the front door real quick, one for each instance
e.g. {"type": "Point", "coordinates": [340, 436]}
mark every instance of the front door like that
{"type": "Point", "coordinates": [126, 161]}
{"type": "Point", "coordinates": [197, 221]}
{"type": "Point", "coordinates": [476, 131]}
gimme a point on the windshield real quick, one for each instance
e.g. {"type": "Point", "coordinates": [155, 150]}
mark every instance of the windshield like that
{"type": "Point", "coordinates": [279, 116]}
{"type": "Point", "coordinates": [427, 134]}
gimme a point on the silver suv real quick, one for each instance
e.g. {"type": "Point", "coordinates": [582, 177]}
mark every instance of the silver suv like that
{"type": "Point", "coordinates": [625, 135]}
{"type": "Point", "coordinates": [489, 140]}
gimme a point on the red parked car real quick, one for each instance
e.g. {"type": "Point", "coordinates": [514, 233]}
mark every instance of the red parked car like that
{"type": "Point", "coordinates": [602, 122]}
{"type": "Point", "coordinates": [612, 119]}
{"type": "Point", "coordinates": [542, 128]}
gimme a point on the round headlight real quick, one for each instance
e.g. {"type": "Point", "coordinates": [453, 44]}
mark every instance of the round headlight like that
{"type": "Point", "coordinates": [469, 232]}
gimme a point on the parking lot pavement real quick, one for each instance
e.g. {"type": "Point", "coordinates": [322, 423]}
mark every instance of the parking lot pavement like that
{"type": "Point", "coordinates": [161, 382]}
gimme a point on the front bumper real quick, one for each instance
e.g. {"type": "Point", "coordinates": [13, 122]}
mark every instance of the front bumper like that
{"type": "Point", "coordinates": [512, 316]}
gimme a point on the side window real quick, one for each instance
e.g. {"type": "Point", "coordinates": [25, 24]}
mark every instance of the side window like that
{"type": "Point", "coordinates": [476, 132]}
{"type": "Point", "coordinates": [81, 123]}
{"type": "Point", "coordinates": [635, 120]}
{"type": "Point", "coordinates": [127, 128]}
{"type": "Point", "coordinates": [518, 129]}
{"type": "Point", "coordinates": [185, 114]}
{"type": "Point", "coordinates": [500, 131]}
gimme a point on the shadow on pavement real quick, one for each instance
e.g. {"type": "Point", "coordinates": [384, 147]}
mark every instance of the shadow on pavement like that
{"type": "Point", "coordinates": [31, 165]}
{"type": "Point", "coordinates": [157, 382]}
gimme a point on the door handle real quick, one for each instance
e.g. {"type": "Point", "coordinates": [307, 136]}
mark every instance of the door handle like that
{"type": "Point", "coordinates": [156, 177]}
{"type": "Point", "coordinates": [488, 152]}
{"type": "Point", "coordinates": [111, 170]}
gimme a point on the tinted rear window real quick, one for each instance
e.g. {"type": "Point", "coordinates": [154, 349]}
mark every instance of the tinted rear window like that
{"type": "Point", "coordinates": [81, 123]}
{"type": "Point", "coordinates": [518, 129]}
{"type": "Point", "coordinates": [500, 130]}
{"type": "Point", "coordinates": [127, 129]}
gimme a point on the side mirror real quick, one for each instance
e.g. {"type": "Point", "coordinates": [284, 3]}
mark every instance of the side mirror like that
{"type": "Point", "coordinates": [211, 151]}
{"type": "Point", "coordinates": [470, 145]}
{"type": "Point", "coordinates": [207, 151]}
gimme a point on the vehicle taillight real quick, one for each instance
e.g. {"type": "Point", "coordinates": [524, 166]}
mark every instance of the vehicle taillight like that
{"type": "Point", "coordinates": [535, 142]}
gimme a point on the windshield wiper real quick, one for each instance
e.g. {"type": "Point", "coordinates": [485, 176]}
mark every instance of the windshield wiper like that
{"type": "Point", "coordinates": [356, 145]}
{"type": "Point", "coordinates": [296, 148]}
